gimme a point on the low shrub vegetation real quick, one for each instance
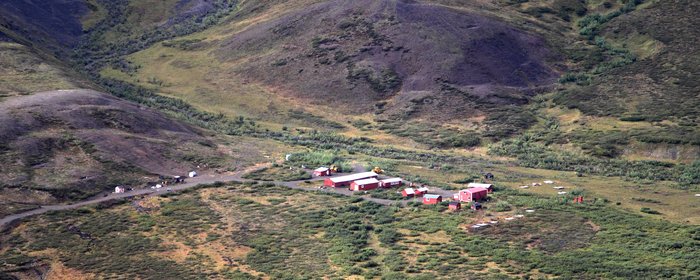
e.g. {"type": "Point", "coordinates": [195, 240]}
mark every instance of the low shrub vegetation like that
{"type": "Point", "coordinates": [338, 237]}
{"type": "Point", "coordinates": [278, 174]}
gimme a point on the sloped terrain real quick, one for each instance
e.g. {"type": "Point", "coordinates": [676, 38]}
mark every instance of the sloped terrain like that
{"type": "Point", "coordinates": [598, 96]}
{"type": "Point", "coordinates": [461, 73]}
{"type": "Point", "coordinates": [53, 25]}
{"type": "Point", "coordinates": [22, 71]}
{"type": "Point", "coordinates": [661, 83]}
{"type": "Point", "coordinates": [357, 53]}
{"type": "Point", "coordinates": [271, 232]}
{"type": "Point", "coordinates": [70, 144]}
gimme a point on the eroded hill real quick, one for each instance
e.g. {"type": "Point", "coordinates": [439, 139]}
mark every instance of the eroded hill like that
{"type": "Point", "coordinates": [661, 84]}
{"type": "Point", "coordinates": [71, 144]}
{"type": "Point", "coordinates": [417, 59]}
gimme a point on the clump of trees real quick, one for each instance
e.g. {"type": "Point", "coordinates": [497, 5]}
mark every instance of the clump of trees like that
{"type": "Point", "coordinates": [433, 135]}
{"type": "Point", "coordinates": [276, 173]}
{"type": "Point", "coordinates": [320, 158]}
{"type": "Point", "coordinates": [530, 153]}
{"type": "Point", "coordinates": [590, 24]}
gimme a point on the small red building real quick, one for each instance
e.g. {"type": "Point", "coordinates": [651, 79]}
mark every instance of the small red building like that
{"type": "Point", "coordinates": [342, 181]}
{"type": "Point", "coordinates": [432, 199]}
{"type": "Point", "coordinates": [488, 187]}
{"type": "Point", "coordinates": [322, 171]}
{"type": "Point", "coordinates": [455, 206]}
{"type": "Point", "coordinates": [421, 191]}
{"type": "Point", "coordinates": [473, 194]}
{"type": "Point", "coordinates": [391, 182]}
{"type": "Point", "coordinates": [364, 184]}
{"type": "Point", "coordinates": [408, 192]}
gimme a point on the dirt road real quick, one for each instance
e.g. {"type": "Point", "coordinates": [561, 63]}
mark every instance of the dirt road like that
{"type": "Point", "coordinates": [203, 179]}
{"type": "Point", "coordinates": [191, 182]}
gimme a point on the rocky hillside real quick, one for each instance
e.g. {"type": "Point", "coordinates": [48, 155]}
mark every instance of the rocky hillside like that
{"type": "Point", "coordinates": [52, 25]}
{"type": "Point", "coordinates": [70, 144]}
{"type": "Point", "coordinates": [660, 83]}
{"type": "Point", "coordinates": [443, 73]}
{"type": "Point", "coordinates": [354, 54]}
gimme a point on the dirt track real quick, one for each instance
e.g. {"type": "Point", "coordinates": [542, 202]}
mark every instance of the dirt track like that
{"type": "Point", "coordinates": [191, 182]}
{"type": "Point", "coordinates": [207, 179]}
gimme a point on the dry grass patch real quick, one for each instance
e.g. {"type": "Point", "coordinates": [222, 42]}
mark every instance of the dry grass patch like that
{"type": "Point", "coordinates": [58, 271]}
{"type": "Point", "coordinates": [178, 252]}
{"type": "Point", "coordinates": [677, 205]}
{"type": "Point", "coordinates": [24, 72]}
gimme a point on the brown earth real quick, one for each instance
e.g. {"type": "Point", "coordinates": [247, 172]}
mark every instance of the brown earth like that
{"type": "Point", "coordinates": [71, 144]}
{"type": "Point", "coordinates": [662, 82]}
{"type": "Point", "coordinates": [53, 25]}
{"type": "Point", "coordinates": [360, 54]}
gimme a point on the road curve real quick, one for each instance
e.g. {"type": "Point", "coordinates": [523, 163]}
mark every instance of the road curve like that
{"type": "Point", "coordinates": [191, 182]}
{"type": "Point", "coordinates": [203, 179]}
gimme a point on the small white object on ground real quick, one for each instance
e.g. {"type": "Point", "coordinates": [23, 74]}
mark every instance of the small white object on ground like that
{"type": "Point", "coordinates": [697, 194]}
{"type": "Point", "coordinates": [561, 192]}
{"type": "Point", "coordinates": [530, 211]}
{"type": "Point", "coordinates": [520, 216]}
{"type": "Point", "coordinates": [549, 182]}
{"type": "Point", "coordinates": [524, 187]}
{"type": "Point", "coordinates": [509, 218]}
{"type": "Point", "coordinates": [558, 188]}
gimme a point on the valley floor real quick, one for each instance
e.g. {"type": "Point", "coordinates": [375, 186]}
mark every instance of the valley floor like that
{"type": "Point", "coordinates": [252, 229]}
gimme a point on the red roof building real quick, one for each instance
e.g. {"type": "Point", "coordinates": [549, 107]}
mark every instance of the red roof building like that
{"type": "Point", "coordinates": [343, 181]}
{"type": "Point", "coordinates": [473, 194]}
{"type": "Point", "coordinates": [322, 171]}
{"type": "Point", "coordinates": [364, 184]}
{"type": "Point", "coordinates": [421, 191]}
{"type": "Point", "coordinates": [488, 187]}
{"type": "Point", "coordinates": [391, 182]}
{"type": "Point", "coordinates": [455, 206]}
{"type": "Point", "coordinates": [432, 199]}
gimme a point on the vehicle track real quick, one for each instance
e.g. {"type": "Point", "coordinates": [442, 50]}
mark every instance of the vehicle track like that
{"type": "Point", "coordinates": [199, 180]}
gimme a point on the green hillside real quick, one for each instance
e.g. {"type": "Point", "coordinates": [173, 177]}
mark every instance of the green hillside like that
{"type": "Point", "coordinates": [339, 66]}
{"type": "Point", "coordinates": [598, 87]}
{"type": "Point", "coordinates": [600, 97]}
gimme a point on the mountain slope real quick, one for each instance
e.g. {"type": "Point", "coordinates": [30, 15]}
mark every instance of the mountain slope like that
{"type": "Point", "coordinates": [53, 25]}
{"type": "Point", "coordinates": [443, 73]}
{"type": "Point", "coordinates": [70, 144]}
{"type": "Point", "coordinates": [356, 53]}
{"type": "Point", "coordinates": [23, 71]}
{"type": "Point", "coordinates": [661, 84]}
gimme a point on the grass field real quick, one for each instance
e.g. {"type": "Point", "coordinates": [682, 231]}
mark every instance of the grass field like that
{"type": "Point", "coordinates": [675, 205]}
{"type": "Point", "coordinates": [639, 222]}
{"type": "Point", "coordinates": [22, 72]}
{"type": "Point", "coordinates": [190, 68]}
{"type": "Point", "coordinates": [680, 206]}
{"type": "Point", "coordinates": [96, 14]}
{"type": "Point", "coordinates": [263, 231]}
